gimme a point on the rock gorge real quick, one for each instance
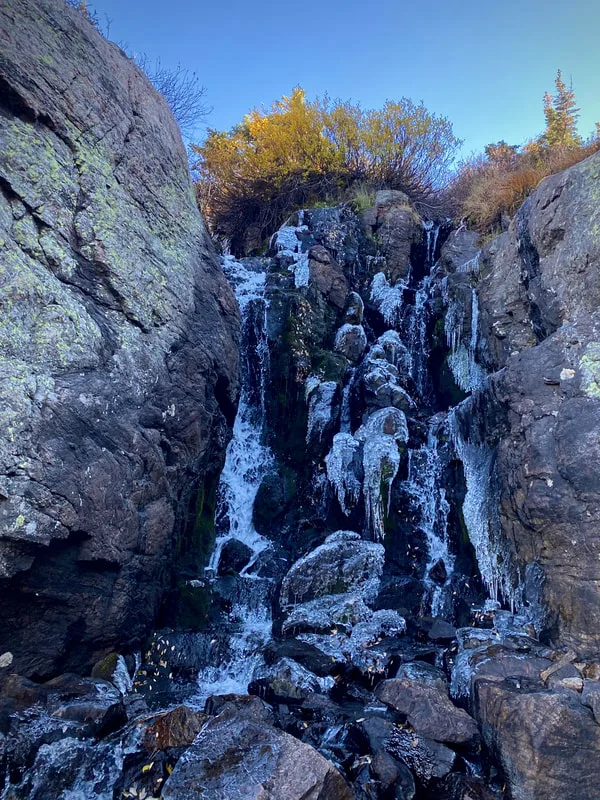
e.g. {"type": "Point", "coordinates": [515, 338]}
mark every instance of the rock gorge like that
{"type": "Point", "coordinates": [357, 507]}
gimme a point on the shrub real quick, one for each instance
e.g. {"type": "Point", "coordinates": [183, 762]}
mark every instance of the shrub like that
{"type": "Point", "coordinates": [182, 90]}
{"type": "Point", "coordinates": [301, 153]}
{"type": "Point", "coordinates": [491, 187]}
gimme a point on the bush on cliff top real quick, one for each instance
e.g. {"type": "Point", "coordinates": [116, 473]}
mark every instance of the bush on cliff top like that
{"type": "Point", "coordinates": [490, 188]}
{"type": "Point", "coordinates": [300, 152]}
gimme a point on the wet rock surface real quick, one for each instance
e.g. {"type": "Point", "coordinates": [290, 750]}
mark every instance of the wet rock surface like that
{"type": "Point", "coordinates": [237, 758]}
{"type": "Point", "coordinates": [547, 742]}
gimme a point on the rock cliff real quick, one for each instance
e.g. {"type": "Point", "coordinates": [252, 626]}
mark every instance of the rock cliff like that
{"type": "Point", "coordinates": [537, 287]}
{"type": "Point", "coordinates": [118, 344]}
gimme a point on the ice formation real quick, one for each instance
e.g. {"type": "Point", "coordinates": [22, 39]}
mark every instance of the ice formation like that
{"type": "Point", "coordinates": [321, 404]}
{"type": "Point", "coordinates": [287, 242]}
{"type": "Point", "coordinates": [388, 299]}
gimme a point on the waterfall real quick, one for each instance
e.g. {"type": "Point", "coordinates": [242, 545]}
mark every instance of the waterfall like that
{"type": "Point", "coordinates": [425, 485]}
{"type": "Point", "coordinates": [247, 460]}
{"type": "Point", "coordinates": [417, 336]}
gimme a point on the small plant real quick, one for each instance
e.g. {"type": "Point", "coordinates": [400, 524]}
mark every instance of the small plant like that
{"type": "Point", "coordinates": [362, 196]}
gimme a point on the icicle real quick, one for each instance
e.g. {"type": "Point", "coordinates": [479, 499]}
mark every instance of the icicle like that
{"type": "Point", "coordinates": [381, 461]}
{"type": "Point", "coordinates": [471, 266]}
{"type": "Point", "coordinates": [321, 402]}
{"type": "Point", "coordinates": [480, 512]}
{"type": "Point", "coordinates": [462, 359]}
{"type": "Point", "coordinates": [388, 299]}
{"type": "Point", "coordinates": [340, 470]}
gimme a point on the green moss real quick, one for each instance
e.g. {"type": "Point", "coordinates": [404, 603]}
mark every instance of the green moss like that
{"type": "Point", "coordinates": [105, 668]}
{"type": "Point", "coordinates": [590, 370]}
{"type": "Point", "coordinates": [192, 606]}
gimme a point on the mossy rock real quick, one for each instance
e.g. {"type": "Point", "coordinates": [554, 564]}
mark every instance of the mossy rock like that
{"type": "Point", "coordinates": [105, 668]}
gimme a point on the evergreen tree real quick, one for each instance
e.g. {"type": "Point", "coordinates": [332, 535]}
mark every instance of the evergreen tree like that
{"type": "Point", "coordinates": [561, 115]}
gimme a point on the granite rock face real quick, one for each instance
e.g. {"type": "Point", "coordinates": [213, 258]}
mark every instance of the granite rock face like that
{"type": "Point", "coordinates": [547, 742]}
{"type": "Point", "coordinates": [537, 332]}
{"type": "Point", "coordinates": [118, 343]}
{"type": "Point", "coordinates": [542, 272]}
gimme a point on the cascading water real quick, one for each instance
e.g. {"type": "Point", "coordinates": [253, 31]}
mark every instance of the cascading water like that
{"type": "Point", "coordinates": [425, 486]}
{"type": "Point", "coordinates": [247, 458]}
{"type": "Point", "coordinates": [246, 462]}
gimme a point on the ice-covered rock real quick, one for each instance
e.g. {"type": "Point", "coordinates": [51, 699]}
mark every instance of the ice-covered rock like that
{"type": "Point", "coordinates": [235, 758]}
{"type": "Point", "coordinates": [381, 461]}
{"type": "Point", "coordinates": [351, 341]}
{"type": "Point", "coordinates": [388, 299]}
{"type": "Point", "coordinates": [395, 351]}
{"type": "Point", "coordinates": [382, 387]}
{"type": "Point", "coordinates": [353, 314]}
{"type": "Point", "coordinates": [327, 613]}
{"type": "Point", "coordinates": [286, 681]}
{"type": "Point", "coordinates": [287, 242]}
{"type": "Point", "coordinates": [322, 407]}
{"type": "Point", "coordinates": [385, 422]}
{"type": "Point", "coordinates": [361, 646]}
{"type": "Point", "coordinates": [343, 563]}
{"type": "Point", "coordinates": [344, 470]}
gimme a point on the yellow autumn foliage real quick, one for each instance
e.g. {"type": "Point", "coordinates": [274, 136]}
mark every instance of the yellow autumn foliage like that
{"type": "Point", "coordinates": [300, 152]}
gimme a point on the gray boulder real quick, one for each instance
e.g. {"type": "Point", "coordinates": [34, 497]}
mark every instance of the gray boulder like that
{"type": "Point", "coordinates": [459, 251]}
{"type": "Point", "coordinates": [428, 709]}
{"type": "Point", "coordinates": [234, 758]}
{"type": "Point", "coordinates": [547, 743]}
{"type": "Point", "coordinates": [398, 228]}
{"type": "Point", "coordinates": [118, 343]}
{"type": "Point", "coordinates": [351, 341]}
{"type": "Point", "coordinates": [343, 563]}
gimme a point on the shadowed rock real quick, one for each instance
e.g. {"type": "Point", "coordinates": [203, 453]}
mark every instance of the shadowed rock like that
{"type": "Point", "coordinates": [118, 366]}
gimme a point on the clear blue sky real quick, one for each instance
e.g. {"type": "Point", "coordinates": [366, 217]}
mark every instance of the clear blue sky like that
{"type": "Point", "coordinates": [485, 64]}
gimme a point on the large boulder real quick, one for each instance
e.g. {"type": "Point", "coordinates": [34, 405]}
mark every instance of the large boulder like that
{"type": "Point", "coordinates": [543, 272]}
{"type": "Point", "coordinates": [547, 743]}
{"type": "Point", "coordinates": [544, 411]}
{"type": "Point", "coordinates": [118, 365]}
{"type": "Point", "coordinates": [398, 229]}
{"type": "Point", "coordinates": [234, 757]}
{"type": "Point", "coordinates": [428, 709]}
{"type": "Point", "coordinates": [343, 563]}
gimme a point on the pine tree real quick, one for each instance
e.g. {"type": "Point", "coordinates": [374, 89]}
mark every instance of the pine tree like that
{"type": "Point", "coordinates": [561, 116]}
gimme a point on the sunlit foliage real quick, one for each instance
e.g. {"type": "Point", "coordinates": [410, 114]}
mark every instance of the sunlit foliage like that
{"type": "Point", "coordinates": [300, 152]}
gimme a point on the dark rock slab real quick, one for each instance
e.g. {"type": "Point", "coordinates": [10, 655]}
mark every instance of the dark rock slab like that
{"type": "Point", "coordinates": [235, 758]}
{"type": "Point", "coordinates": [428, 709]}
{"type": "Point", "coordinates": [547, 743]}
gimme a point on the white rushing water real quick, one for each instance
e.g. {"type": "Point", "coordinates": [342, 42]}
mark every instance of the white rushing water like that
{"type": "Point", "coordinates": [246, 462]}
{"type": "Point", "coordinates": [247, 459]}
{"type": "Point", "coordinates": [425, 485]}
